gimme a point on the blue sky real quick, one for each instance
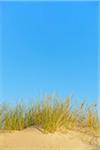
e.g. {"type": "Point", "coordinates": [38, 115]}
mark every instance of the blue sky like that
{"type": "Point", "coordinates": [49, 48]}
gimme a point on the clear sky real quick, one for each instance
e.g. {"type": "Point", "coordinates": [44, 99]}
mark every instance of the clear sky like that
{"type": "Point", "coordinates": [49, 47]}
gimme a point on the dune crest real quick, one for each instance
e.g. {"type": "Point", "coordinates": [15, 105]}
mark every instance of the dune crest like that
{"type": "Point", "coordinates": [34, 139]}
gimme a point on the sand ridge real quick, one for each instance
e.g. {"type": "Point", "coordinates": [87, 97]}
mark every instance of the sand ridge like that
{"type": "Point", "coordinates": [34, 139]}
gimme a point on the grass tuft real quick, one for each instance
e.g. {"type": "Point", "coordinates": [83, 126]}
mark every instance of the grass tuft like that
{"type": "Point", "coordinates": [51, 114]}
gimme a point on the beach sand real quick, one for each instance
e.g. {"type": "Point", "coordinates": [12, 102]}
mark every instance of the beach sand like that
{"type": "Point", "coordinates": [34, 139]}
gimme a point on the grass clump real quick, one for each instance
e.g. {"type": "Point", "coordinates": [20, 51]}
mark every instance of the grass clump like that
{"type": "Point", "coordinates": [51, 114]}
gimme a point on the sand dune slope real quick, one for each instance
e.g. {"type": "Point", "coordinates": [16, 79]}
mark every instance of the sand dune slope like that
{"type": "Point", "coordinates": [33, 139]}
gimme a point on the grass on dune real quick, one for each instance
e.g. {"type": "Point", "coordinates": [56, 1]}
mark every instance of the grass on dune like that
{"type": "Point", "coordinates": [51, 114]}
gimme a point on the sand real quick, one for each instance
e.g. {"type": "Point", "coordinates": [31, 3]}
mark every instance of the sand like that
{"type": "Point", "coordinates": [34, 139]}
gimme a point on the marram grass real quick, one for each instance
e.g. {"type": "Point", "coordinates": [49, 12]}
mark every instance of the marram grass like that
{"type": "Point", "coordinates": [51, 114]}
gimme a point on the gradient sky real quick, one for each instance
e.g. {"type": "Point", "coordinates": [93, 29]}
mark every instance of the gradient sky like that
{"type": "Point", "coordinates": [49, 48]}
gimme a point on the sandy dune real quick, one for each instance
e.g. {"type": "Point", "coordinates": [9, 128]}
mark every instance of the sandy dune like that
{"type": "Point", "coordinates": [33, 139]}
